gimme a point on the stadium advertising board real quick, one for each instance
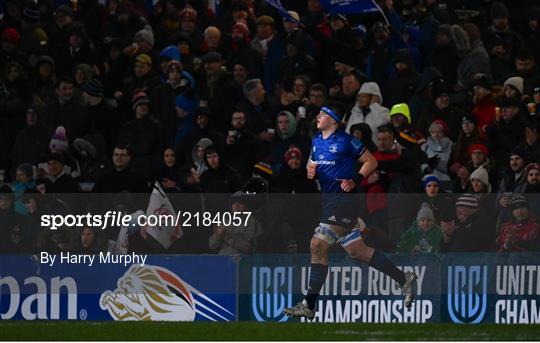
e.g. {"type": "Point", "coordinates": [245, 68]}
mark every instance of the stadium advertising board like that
{"type": "Point", "coordinates": [171, 288]}
{"type": "Point", "coordinates": [492, 288]}
{"type": "Point", "coordinates": [457, 288]}
{"type": "Point", "coordinates": [351, 293]}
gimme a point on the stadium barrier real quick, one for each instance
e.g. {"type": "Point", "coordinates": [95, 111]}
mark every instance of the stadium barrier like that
{"type": "Point", "coordinates": [458, 288]}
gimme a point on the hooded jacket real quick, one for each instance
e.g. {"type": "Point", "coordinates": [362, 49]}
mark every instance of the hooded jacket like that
{"type": "Point", "coordinates": [474, 58]}
{"type": "Point", "coordinates": [375, 115]}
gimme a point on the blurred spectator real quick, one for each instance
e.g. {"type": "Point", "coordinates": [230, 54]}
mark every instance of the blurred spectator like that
{"type": "Point", "coordinates": [197, 154]}
{"type": "Point", "coordinates": [292, 176]}
{"type": "Point", "coordinates": [513, 88]}
{"type": "Point", "coordinates": [240, 144]}
{"type": "Point", "coordinates": [24, 181]}
{"type": "Point", "coordinates": [270, 48]}
{"type": "Point", "coordinates": [479, 180]}
{"type": "Point", "coordinates": [120, 178]}
{"type": "Point", "coordinates": [142, 133]}
{"type": "Point", "coordinates": [474, 58]}
{"type": "Point", "coordinates": [88, 242]}
{"type": "Point", "coordinates": [32, 142]}
{"type": "Point", "coordinates": [484, 105]}
{"type": "Point", "coordinates": [404, 79]}
{"type": "Point", "coordinates": [527, 68]}
{"type": "Point", "coordinates": [381, 54]}
{"type": "Point", "coordinates": [66, 111]}
{"type": "Point", "coordinates": [514, 178]}
{"type": "Point", "coordinates": [242, 49]}
{"type": "Point", "coordinates": [169, 174]}
{"type": "Point", "coordinates": [105, 121]}
{"type": "Point", "coordinates": [233, 240]}
{"type": "Point", "coordinates": [61, 182]}
{"type": "Point", "coordinates": [12, 237]}
{"type": "Point", "coordinates": [368, 109]}
{"type": "Point", "coordinates": [470, 231]}
{"type": "Point", "coordinates": [423, 237]}
{"type": "Point", "coordinates": [522, 232]}
{"type": "Point", "coordinates": [507, 132]}
{"type": "Point", "coordinates": [362, 131]}
{"type": "Point", "coordinates": [219, 177]}
{"type": "Point", "coordinates": [440, 108]}
{"type": "Point", "coordinates": [444, 55]}
{"type": "Point", "coordinates": [468, 135]}
{"type": "Point", "coordinates": [185, 105]}
{"type": "Point", "coordinates": [440, 146]}
{"type": "Point", "coordinates": [533, 178]}
{"type": "Point", "coordinates": [501, 42]}
{"type": "Point", "coordinates": [285, 137]}
{"type": "Point", "coordinates": [434, 196]}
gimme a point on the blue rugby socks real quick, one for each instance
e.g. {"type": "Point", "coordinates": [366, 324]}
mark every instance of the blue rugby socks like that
{"type": "Point", "coordinates": [380, 262]}
{"type": "Point", "coordinates": [317, 276]}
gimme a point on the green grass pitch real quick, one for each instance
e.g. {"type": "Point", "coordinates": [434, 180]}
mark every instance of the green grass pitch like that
{"type": "Point", "coordinates": [248, 331]}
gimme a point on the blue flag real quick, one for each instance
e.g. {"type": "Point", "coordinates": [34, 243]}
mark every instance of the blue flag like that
{"type": "Point", "coordinates": [349, 6]}
{"type": "Point", "coordinates": [281, 10]}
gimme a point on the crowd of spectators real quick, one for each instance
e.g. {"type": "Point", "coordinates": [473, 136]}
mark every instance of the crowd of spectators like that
{"type": "Point", "coordinates": [205, 97]}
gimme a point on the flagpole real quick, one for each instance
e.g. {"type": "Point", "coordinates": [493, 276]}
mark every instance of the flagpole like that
{"type": "Point", "coordinates": [381, 10]}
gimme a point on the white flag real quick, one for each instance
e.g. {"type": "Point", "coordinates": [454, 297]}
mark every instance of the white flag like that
{"type": "Point", "coordinates": [121, 245]}
{"type": "Point", "coordinates": [159, 207]}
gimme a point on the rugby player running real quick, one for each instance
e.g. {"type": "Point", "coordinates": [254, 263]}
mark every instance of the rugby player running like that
{"type": "Point", "coordinates": [334, 158]}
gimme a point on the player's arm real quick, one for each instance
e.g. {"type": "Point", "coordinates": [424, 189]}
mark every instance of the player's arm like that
{"type": "Point", "coordinates": [369, 164]}
{"type": "Point", "coordinates": [311, 168]}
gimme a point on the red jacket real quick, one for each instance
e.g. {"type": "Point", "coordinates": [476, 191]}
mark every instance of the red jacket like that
{"type": "Point", "coordinates": [524, 234]}
{"type": "Point", "coordinates": [485, 114]}
{"type": "Point", "coordinates": [376, 192]}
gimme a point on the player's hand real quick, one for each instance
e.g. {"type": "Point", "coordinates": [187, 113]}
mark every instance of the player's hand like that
{"type": "Point", "coordinates": [311, 171]}
{"type": "Point", "coordinates": [347, 185]}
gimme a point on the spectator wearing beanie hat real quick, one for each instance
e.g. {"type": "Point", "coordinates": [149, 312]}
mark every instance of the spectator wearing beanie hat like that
{"type": "Point", "coordinates": [59, 142]}
{"type": "Point", "coordinates": [469, 134]}
{"type": "Point", "coordinates": [103, 117]}
{"type": "Point", "coordinates": [522, 232]}
{"type": "Point", "coordinates": [241, 49]}
{"type": "Point", "coordinates": [508, 132]}
{"type": "Point", "coordinates": [500, 41]}
{"type": "Point", "coordinates": [142, 134]}
{"type": "Point", "coordinates": [423, 236]}
{"type": "Point", "coordinates": [292, 176]}
{"type": "Point", "coordinates": [11, 36]}
{"type": "Point", "coordinates": [431, 185]}
{"type": "Point", "coordinates": [442, 109]}
{"type": "Point", "coordinates": [31, 13]}
{"type": "Point", "coordinates": [435, 197]}
{"type": "Point", "coordinates": [188, 26]}
{"type": "Point", "coordinates": [10, 47]}
{"type": "Point", "coordinates": [470, 231]}
{"type": "Point", "coordinates": [33, 37]}
{"type": "Point", "coordinates": [484, 105]}
{"type": "Point", "coordinates": [437, 144]}
{"type": "Point", "coordinates": [144, 39]}
{"type": "Point", "coordinates": [513, 87]}
{"type": "Point", "coordinates": [480, 181]}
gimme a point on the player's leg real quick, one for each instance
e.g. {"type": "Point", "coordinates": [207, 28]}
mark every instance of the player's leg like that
{"type": "Point", "coordinates": [359, 251]}
{"type": "Point", "coordinates": [325, 236]}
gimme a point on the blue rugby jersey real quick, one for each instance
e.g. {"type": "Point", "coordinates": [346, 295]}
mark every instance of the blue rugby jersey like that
{"type": "Point", "coordinates": [335, 158]}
